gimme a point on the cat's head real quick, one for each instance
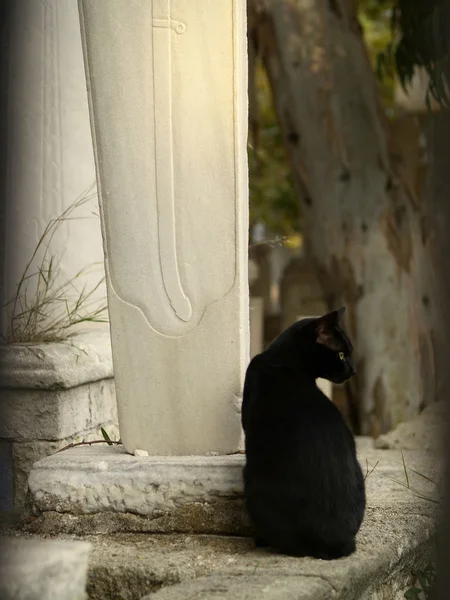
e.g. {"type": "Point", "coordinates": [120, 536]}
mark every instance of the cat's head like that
{"type": "Point", "coordinates": [318, 345]}
{"type": "Point", "coordinates": [331, 349]}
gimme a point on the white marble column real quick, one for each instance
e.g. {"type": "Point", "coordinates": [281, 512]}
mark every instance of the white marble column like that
{"type": "Point", "coordinates": [49, 149]}
{"type": "Point", "coordinates": [168, 99]}
{"type": "Point", "coordinates": [256, 325]}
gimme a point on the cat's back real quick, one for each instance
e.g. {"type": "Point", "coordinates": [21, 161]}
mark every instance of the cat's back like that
{"type": "Point", "coordinates": [273, 389]}
{"type": "Point", "coordinates": [284, 408]}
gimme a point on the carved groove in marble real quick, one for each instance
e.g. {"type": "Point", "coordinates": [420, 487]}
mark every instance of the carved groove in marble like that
{"type": "Point", "coordinates": [165, 196]}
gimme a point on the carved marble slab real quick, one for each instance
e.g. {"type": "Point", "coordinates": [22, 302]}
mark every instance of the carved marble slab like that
{"type": "Point", "coordinates": [167, 83]}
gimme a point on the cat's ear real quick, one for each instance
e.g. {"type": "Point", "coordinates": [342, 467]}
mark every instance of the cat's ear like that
{"type": "Point", "coordinates": [340, 313]}
{"type": "Point", "coordinates": [326, 324]}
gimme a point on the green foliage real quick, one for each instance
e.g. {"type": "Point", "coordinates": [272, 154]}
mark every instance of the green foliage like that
{"type": "Point", "coordinates": [375, 17]}
{"type": "Point", "coordinates": [106, 436]}
{"type": "Point", "coordinates": [272, 198]}
{"type": "Point", "coordinates": [426, 580]}
{"type": "Point", "coordinates": [400, 35]}
{"type": "Point", "coordinates": [419, 32]}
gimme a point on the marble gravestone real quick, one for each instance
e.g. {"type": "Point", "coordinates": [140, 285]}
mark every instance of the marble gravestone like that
{"type": "Point", "coordinates": [167, 82]}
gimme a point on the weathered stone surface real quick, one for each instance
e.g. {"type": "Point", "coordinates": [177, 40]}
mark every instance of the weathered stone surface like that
{"type": "Point", "coordinates": [6, 476]}
{"type": "Point", "coordinates": [222, 517]}
{"type": "Point", "coordinates": [57, 365]}
{"type": "Point", "coordinates": [43, 569]}
{"type": "Point", "coordinates": [279, 586]}
{"type": "Point", "coordinates": [175, 214]}
{"type": "Point", "coordinates": [396, 538]}
{"type": "Point", "coordinates": [52, 395]}
{"type": "Point", "coordinates": [105, 489]}
{"type": "Point", "coordinates": [424, 432]}
{"type": "Point", "coordinates": [30, 414]}
{"type": "Point", "coordinates": [25, 454]}
{"type": "Point", "coordinates": [89, 480]}
{"type": "Point", "coordinates": [250, 587]}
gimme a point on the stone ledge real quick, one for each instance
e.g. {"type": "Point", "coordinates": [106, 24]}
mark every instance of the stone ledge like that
{"type": "Point", "coordinates": [107, 486]}
{"type": "Point", "coordinates": [376, 574]}
{"type": "Point", "coordinates": [104, 487]}
{"type": "Point", "coordinates": [43, 569]}
{"type": "Point", "coordinates": [93, 479]}
{"type": "Point", "coordinates": [51, 395]}
{"type": "Point", "coordinates": [57, 365]}
{"type": "Point", "coordinates": [91, 489]}
{"type": "Point", "coordinates": [30, 414]}
{"type": "Point", "coordinates": [26, 453]}
{"type": "Point", "coordinates": [393, 542]}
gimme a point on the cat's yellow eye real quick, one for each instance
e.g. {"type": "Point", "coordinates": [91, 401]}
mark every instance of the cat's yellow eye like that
{"type": "Point", "coordinates": [341, 355]}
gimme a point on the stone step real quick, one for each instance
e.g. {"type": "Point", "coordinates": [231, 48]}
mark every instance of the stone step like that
{"type": "Point", "coordinates": [394, 542]}
{"type": "Point", "coordinates": [106, 491]}
{"type": "Point", "coordinates": [33, 569]}
{"type": "Point", "coordinates": [51, 395]}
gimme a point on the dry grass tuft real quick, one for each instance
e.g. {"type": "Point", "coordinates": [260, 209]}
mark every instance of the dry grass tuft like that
{"type": "Point", "coordinates": [55, 308]}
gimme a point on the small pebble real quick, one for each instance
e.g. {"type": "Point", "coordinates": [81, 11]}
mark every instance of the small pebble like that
{"type": "Point", "coordinates": [138, 452]}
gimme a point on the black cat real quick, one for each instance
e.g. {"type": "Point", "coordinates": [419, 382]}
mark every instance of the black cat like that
{"type": "Point", "coordinates": [304, 488]}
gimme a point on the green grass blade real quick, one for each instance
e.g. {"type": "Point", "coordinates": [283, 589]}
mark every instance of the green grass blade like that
{"type": "Point", "coordinates": [106, 437]}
